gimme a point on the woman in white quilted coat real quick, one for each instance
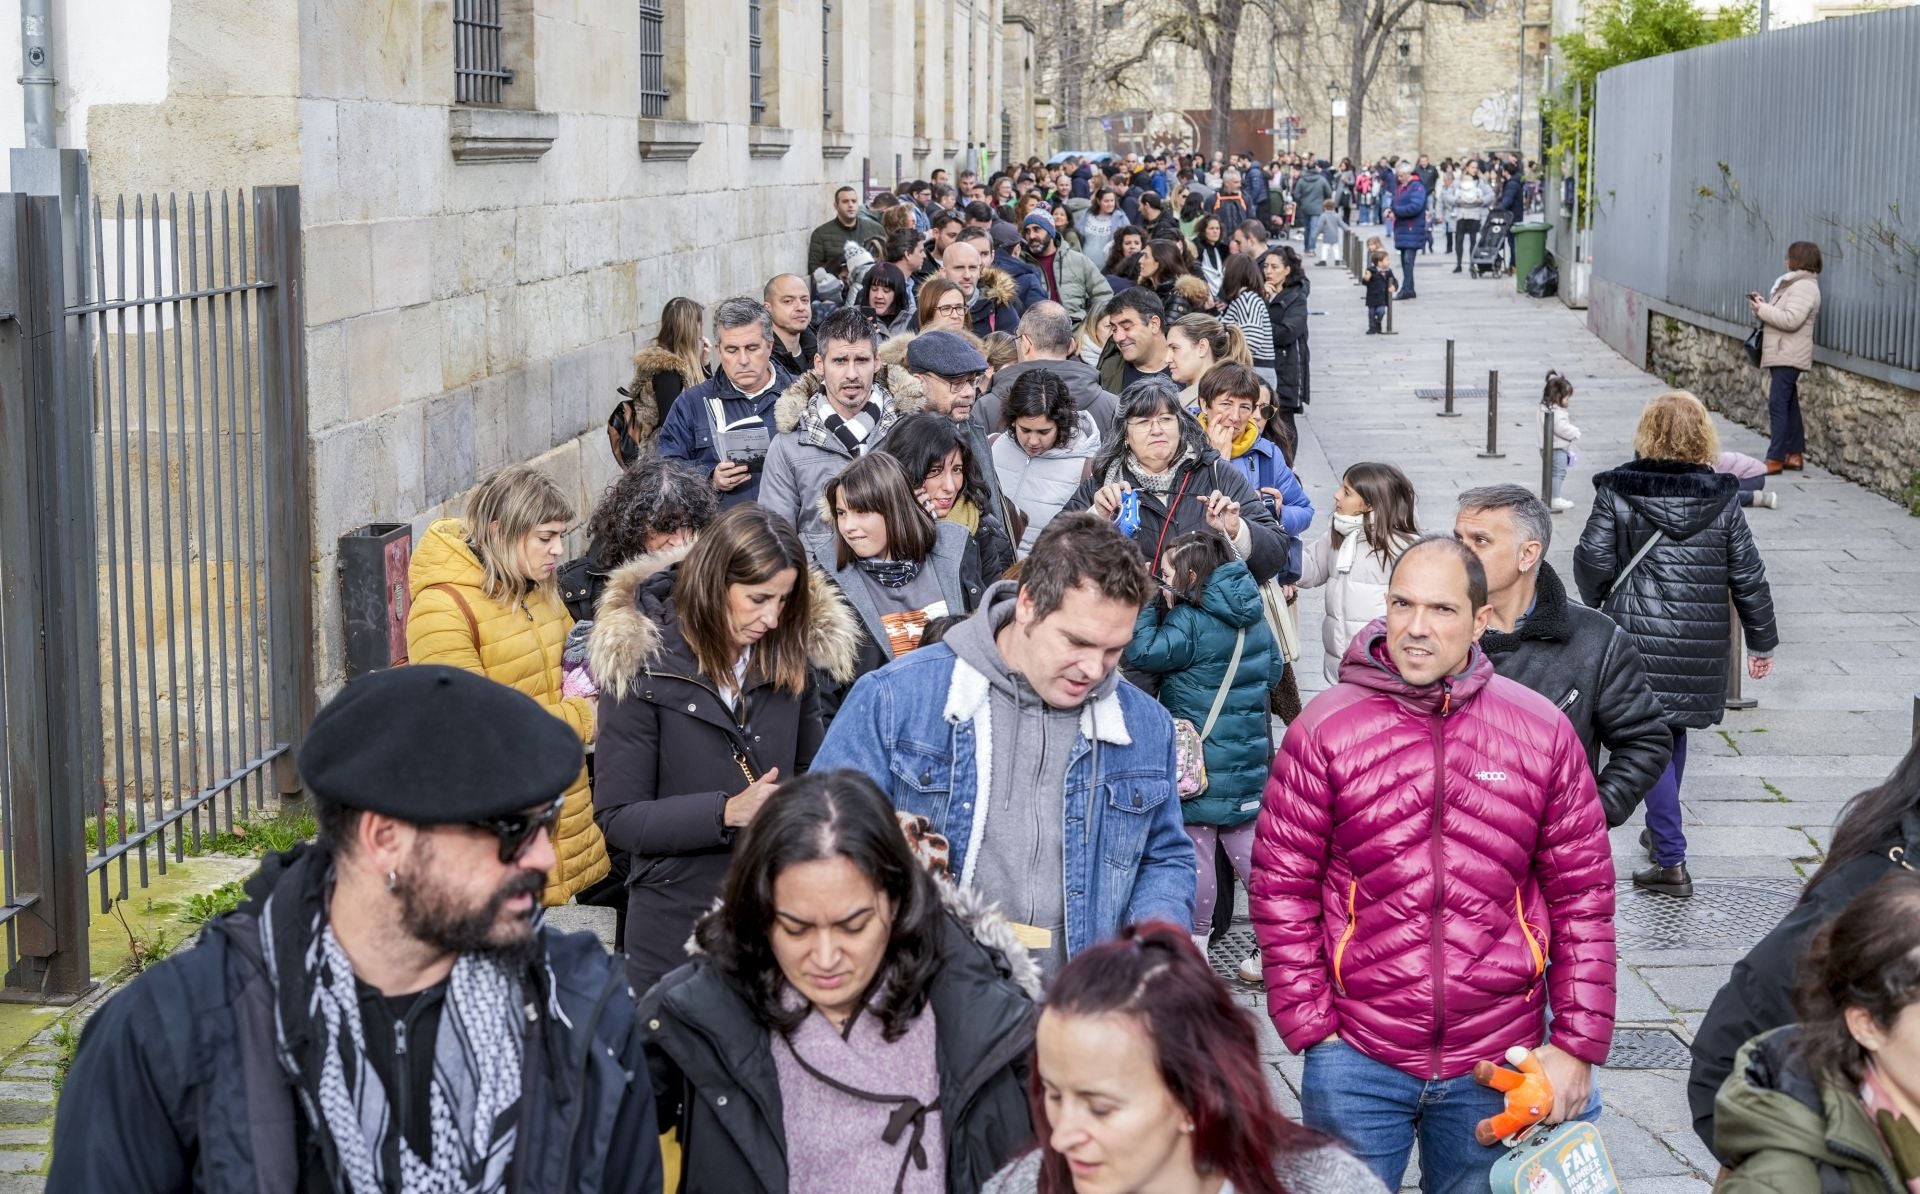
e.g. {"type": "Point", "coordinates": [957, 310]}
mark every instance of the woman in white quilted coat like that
{"type": "Point", "coordinates": [1372, 524]}
{"type": "Point", "coordinates": [1044, 449]}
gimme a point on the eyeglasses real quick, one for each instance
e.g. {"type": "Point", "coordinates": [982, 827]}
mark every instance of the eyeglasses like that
{"type": "Point", "coordinates": [517, 830]}
{"type": "Point", "coordinates": [963, 381]}
{"type": "Point", "coordinates": [1154, 423]}
{"type": "Point", "coordinates": [950, 309]}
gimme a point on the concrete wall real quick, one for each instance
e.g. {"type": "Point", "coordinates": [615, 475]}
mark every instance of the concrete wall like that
{"type": "Point", "coordinates": [465, 312]}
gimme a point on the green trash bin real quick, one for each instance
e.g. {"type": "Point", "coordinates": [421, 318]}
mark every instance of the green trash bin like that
{"type": "Point", "coordinates": [1529, 250]}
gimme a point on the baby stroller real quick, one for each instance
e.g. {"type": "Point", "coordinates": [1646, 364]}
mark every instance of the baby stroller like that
{"type": "Point", "coordinates": [1490, 250]}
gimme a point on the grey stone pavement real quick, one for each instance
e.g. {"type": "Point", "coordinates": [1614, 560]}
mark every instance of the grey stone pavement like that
{"type": "Point", "coordinates": [1762, 793]}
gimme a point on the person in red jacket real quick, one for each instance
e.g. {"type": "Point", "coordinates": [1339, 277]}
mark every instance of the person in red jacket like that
{"type": "Point", "coordinates": [1431, 873]}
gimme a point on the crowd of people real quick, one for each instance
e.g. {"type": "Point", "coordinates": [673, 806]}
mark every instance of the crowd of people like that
{"type": "Point", "coordinates": [936, 650]}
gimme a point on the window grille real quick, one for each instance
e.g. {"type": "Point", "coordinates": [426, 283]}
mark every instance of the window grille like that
{"type": "Point", "coordinates": [756, 102]}
{"type": "Point", "coordinates": [826, 61]}
{"type": "Point", "coordinates": [478, 76]}
{"type": "Point", "coordinates": [1114, 16]}
{"type": "Point", "coordinates": [653, 60]}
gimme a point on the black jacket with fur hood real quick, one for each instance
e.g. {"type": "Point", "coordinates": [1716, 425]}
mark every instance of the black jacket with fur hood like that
{"type": "Point", "coordinates": [994, 308]}
{"type": "Point", "coordinates": [714, 1076]}
{"type": "Point", "coordinates": [671, 752]}
{"type": "Point", "coordinates": [1674, 605]}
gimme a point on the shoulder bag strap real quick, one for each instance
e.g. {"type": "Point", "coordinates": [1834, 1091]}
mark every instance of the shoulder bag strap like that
{"type": "Point", "coordinates": [473, 627]}
{"type": "Point", "coordinates": [1633, 563]}
{"type": "Point", "coordinates": [1220, 698]}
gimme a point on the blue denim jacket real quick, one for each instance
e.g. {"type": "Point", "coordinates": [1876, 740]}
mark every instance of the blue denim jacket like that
{"type": "Point", "coordinates": [910, 726]}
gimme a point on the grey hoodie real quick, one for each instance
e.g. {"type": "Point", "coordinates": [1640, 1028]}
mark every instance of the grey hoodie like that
{"type": "Point", "coordinates": [1020, 860]}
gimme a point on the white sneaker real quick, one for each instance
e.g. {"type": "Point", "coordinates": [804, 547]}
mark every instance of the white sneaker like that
{"type": "Point", "coordinates": [1768, 499]}
{"type": "Point", "coordinates": [1200, 941]}
{"type": "Point", "coordinates": [1561, 505]}
{"type": "Point", "coordinates": [1250, 972]}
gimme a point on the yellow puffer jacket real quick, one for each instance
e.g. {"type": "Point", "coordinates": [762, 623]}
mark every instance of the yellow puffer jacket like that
{"type": "Point", "coordinates": [519, 646]}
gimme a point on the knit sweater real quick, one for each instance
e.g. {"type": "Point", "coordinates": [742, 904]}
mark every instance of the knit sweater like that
{"type": "Point", "coordinates": [1329, 1168]}
{"type": "Point", "coordinates": [836, 1141]}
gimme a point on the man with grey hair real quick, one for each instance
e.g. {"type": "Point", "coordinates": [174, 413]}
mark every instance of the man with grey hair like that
{"type": "Point", "coordinates": [724, 424]}
{"type": "Point", "coordinates": [1045, 342]}
{"type": "Point", "coordinates": [1576, 657]}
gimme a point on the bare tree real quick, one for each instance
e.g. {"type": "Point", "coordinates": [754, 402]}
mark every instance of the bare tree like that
{"type": "Point", "coordinates": [1374, 24]}
{"type": "Point", "coordinates": [1211, 29]}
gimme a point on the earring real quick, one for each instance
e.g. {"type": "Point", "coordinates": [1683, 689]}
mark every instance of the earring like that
{"type": "Point", "coordinates": [393, 880]}
{"type": "Point", "coordinates": [1187, 1128]}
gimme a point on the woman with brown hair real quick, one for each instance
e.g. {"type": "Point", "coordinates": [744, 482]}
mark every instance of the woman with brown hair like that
{"type": "Point", "coordinates": [943, 307]}
{"type": "Point", "coordinates": [676, 359]}
{"type": "Point", "coordinates": [1831, 1104]}
{"type": "Point", "coordinates": [484, 599]}
{"type": "Point", "coordinates": [1372, 525]}
{"type": "Point", "coordinates": [1665, 547]}
{"type": "Point", "coordinates": [1786, 350]}
{"type": "Point", "coordinates": [892, 562]}
{"type": "Point", "coordinates": [705, 659]}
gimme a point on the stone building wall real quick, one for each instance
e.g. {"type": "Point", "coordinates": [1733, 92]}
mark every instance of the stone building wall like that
{"type": "Point", "coordinates": [479, 278]}
{"type": "Point", "coordinates": [1861, 428]}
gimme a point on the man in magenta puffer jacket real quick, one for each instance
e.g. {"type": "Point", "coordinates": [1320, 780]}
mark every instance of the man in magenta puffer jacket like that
{"type": "Point", "coordinates": [1431, 872]}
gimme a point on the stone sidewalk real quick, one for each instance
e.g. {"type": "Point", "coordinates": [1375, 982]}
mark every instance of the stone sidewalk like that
{"type": "Point", "coordinates": [1762, 791]}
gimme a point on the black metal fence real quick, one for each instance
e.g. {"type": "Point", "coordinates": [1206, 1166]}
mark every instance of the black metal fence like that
{"type": "Point", "coordinates": [156, 619]}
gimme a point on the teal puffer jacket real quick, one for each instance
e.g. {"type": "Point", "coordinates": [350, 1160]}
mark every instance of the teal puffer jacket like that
{"type": "Point", "coordinates": [1189, 646]}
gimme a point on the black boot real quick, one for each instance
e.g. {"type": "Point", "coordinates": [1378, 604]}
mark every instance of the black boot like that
{"type": "Point", "coordinates": [1646, 843]}
{"type": "Point", "coordinates": [1667, 880]}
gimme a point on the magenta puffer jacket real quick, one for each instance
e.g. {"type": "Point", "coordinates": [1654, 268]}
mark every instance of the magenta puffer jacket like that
{"type": "Point", "coordinates": [1431, 869]}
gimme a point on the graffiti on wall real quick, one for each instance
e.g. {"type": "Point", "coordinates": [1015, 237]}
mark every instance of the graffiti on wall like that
{"type": "Point", "coordinates": [1497, 112]}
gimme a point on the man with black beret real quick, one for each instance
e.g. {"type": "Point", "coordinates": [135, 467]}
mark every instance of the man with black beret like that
{"type": "Point", "coordinates": [385, 1012]}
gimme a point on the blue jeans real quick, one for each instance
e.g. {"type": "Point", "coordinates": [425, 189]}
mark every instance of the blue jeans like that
{"type": "Point", "coordinates": [1663, 806]}
{"type": "Point", "coordinates": [1406, 271]}
{"type": "Point", "coordinates": [1560, 463]}
{"type": "Point", "coordinates": [1783, 412]}
{"type": "Point", "coordinates": [1750, 488]}
{"type": "Point", "coordinates": [1312, 224]}
{"type": "Point", "coordinates": [1378, 1112]}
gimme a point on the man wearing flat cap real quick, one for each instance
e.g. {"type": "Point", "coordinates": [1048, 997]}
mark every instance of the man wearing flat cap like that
{"type": "Point", "coordinates": [950, 371]}
{"type": "Point", "coordinates": [385, 1013]}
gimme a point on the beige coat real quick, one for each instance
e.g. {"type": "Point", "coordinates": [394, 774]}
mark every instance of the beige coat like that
{"type": "Point", "coordinates": [1788, 315]}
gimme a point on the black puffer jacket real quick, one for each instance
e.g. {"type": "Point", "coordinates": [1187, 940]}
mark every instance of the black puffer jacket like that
{"type": "Point", "coordinates": [1586, 665]}
{"type": "Point", "coordinates": [1674, 604]}
{"type": "Point", "coordinates": [1288, 312]}
{"type": "Point", "coordinates": [670, 753]}
{"type": "Point", "coordinates": [1185, 506]}
{"type": "Point", "coordinates": [714, 1075]}
{"type": "Point", "coordinates": [178, 1085]}
{"type": "Point", "coordinates": [1758, 996]}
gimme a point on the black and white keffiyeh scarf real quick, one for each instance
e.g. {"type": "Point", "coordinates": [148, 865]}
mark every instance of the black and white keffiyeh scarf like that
{"type": "Point", "coordinates": [475, 1094]}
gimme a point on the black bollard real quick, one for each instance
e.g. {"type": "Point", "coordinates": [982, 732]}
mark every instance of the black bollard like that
{"type": "Point", "coordinates": [1737, 663]}
{"type": "Point", "coordinates": [1493, 451]}
{"type": "Point", "coordinates": [1546, 455]}
{"type": "Point", "coordinates": [1916, 717]}
{"type": "Point", "coordinates": [1447, 412]}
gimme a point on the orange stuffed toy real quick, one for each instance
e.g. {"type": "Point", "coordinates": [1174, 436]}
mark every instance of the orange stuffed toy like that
{"type": "Point", "coordinates": [1529, 1096]}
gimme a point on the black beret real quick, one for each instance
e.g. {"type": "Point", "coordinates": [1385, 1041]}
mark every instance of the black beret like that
{"type": "Point", "coordinates": [435, 745]}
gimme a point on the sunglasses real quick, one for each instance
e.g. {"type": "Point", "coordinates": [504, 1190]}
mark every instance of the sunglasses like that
{"type": "Point", "coordinates": [516, 831]}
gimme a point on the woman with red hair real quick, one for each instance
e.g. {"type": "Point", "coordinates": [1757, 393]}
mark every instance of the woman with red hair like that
{"type": "Point", "coordinates": [1148, 1077]}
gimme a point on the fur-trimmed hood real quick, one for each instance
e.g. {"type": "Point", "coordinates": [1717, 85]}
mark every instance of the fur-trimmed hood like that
{"type": "Point", "coordinates": [893, 351]}
{"type": "Point", "coordinates": [1193, 288]}
{"type": "Point", "coordinates": [625, 639]}
{"type": "Point", "coordinates": [983, 921]}
{"type": "Point", "coordinates": [796, 408]}
{"type": "Point", "coordinates": [653, 359]}
{"type": "Point", "coordinates": [996, 285]}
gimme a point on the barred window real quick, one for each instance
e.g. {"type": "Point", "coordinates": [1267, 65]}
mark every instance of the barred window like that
{"type": "Point", "coordinates": [653, 59]}
{"type": "Point", "coordinates": [756, 102]}
{"type": "Point", "coordinates": [826, 62]}
{"type": "Point", "coordinates": [478, 74]}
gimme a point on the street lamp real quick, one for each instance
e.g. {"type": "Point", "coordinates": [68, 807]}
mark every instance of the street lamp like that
{"type": "Point", "coordinates": [1333, 97]}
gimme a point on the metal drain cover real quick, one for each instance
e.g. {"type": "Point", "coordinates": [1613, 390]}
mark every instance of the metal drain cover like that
{"type": "Point", "coordinates": [1435, 393]}
{"type": "Point", "coordinates": [1723, 914]}
{"type": "Point", "coordinates": [1647, 1049]}
{"type": "Point", "coordinates": [1226, 954]}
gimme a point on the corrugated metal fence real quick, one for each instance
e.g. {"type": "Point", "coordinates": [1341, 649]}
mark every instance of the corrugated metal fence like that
{"type": "Point", "coordinates": [1709, 163]}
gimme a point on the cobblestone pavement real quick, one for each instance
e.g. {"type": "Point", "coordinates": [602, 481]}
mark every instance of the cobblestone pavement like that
{"type": "Point", "coordinates": [1762, 791]}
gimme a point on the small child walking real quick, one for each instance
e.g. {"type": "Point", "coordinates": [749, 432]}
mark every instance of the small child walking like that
{"type": "Point", "coordinates": [1329, 230]}
{"type": "Point", "coordinates": [1555, 398]}
{"type": "Point", "coordinates": [1380, 287]}
{"type": "Point", "coordinates": [1207, 640]}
